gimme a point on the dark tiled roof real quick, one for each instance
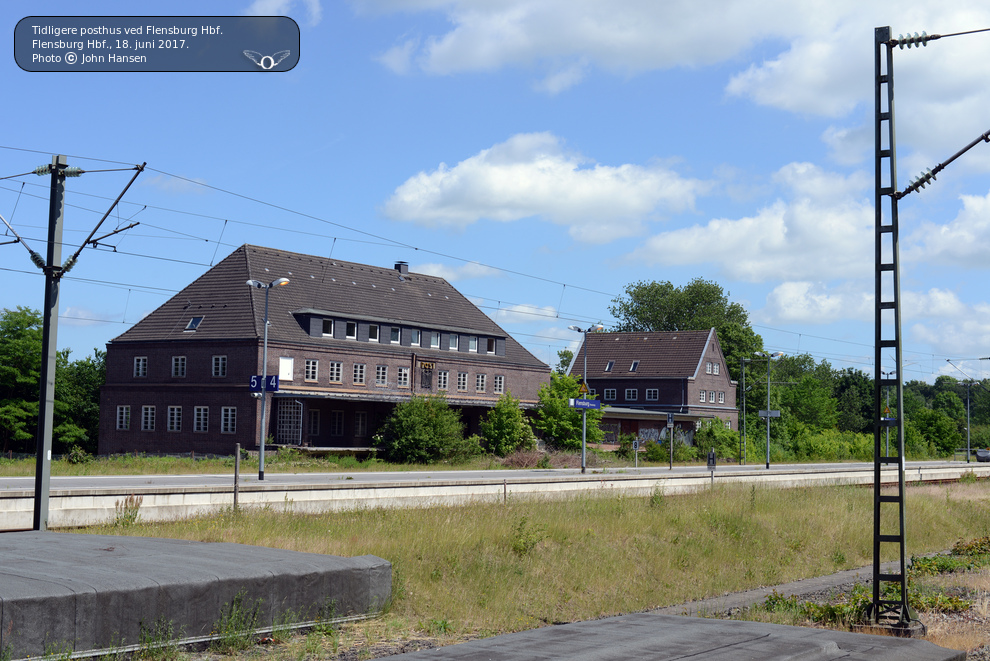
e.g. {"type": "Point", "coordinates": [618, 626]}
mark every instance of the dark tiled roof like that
{"type": "Point", "coordinates": [231, 310]}
{"type": "Point", "coordinates": [668, 355]}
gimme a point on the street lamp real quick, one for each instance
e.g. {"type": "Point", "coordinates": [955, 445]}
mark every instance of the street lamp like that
{"type": "Point", "coordinates": [258, 284]}
{"type": "Point", "coordinates": [584, 378]}
{"type": "Point", "coordinates": [769, 357]}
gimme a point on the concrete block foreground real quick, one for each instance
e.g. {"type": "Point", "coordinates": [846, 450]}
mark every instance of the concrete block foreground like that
{"type": "Point", "coordinates": [62, 591]}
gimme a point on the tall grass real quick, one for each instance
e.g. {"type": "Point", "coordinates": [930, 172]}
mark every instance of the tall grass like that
{"type": "Point", "coordinates": [491, 568]}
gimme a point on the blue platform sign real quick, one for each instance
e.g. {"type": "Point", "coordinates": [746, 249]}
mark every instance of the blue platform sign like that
{"type": "Point", "coordinates": [271, 384]}
{"type": "Point", "coordinates": [584, 403]}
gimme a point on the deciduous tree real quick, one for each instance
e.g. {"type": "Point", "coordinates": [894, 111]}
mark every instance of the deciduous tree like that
{"type": "Point", "coordinates": [698, 305]}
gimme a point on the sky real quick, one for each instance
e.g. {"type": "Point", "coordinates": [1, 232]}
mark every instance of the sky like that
{"type": "Point", "coordinates": [542, 155]}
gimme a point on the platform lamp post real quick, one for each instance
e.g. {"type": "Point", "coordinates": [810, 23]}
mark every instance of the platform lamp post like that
{"type": "Point", "coordinates": [769, 357]}
{"type": "Point", "coordinates": [258, 284]}
{"type": "Point", "coordinates": [584, 379]}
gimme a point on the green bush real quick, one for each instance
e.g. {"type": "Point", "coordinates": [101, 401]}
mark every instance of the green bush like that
{"type": "Point", "coordinates": [625, 450]}
{"type": "Point", "coordinates": [656, 451]}
{"type": "Point", "coordinates": [504, 429]}
{"type": "Point", "coordinates": [713, 434]}
{"type": "Point", "coordinates": [425, 430]}
{"type": "Point", "coordinates": [560, 425]}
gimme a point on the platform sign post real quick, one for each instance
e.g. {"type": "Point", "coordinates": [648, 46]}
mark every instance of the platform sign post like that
{"type": "Point", "coordinates": [670, 432]}
{"type": "Point", "coordinates": [584, 405]}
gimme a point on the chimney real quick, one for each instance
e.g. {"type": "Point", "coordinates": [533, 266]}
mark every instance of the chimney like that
{"type": "Point", "coordinates": [402, 268]}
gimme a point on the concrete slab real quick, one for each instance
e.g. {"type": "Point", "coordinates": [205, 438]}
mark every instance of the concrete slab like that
{"type": "Point", "coordinates": [655, 637]}
{"type": "Point", "coordinates": [90, 592]}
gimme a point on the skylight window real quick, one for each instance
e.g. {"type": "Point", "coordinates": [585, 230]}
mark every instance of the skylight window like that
{"type": "Point", "coordinates": [194, 323]}
{"type": "Point", "coordinates": [635, 364]}
{"type": "Point", "coordinates": [609, 366]}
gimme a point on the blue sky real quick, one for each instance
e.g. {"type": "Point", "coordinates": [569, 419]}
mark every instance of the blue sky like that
{"type": "Point", "coordinates": [541, 155]}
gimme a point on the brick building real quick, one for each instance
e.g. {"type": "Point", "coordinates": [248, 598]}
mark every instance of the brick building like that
{"type": "Point", "coordinates": [681, 372]}
{"type": "Point", "coordinates": [347, 341]}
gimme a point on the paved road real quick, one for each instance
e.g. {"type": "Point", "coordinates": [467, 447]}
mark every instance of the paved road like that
{"type": "Point", "coordinates": [423, 477]}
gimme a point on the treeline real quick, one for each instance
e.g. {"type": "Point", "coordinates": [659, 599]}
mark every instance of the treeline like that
{"type": "Point", "coordinates": [76, 415]}
{"type": "Point", "coordinates": [827, 414]}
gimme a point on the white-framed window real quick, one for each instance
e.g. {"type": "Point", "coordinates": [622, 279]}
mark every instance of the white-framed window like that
{"type": "Point", "coordinates": [714, 368]}
{"type": "Point", "coordinates": [609, 365]}
{"type": "Point", "coordinates": [175, 418]}
{"type": "Point", "coordinates": [490, 342]}
{"type": "Point", "coordinates": [462, 381]}
{"type": "Point", "coordinates": [219, 366]}
{"type": "Point", "coordinates": [632, 394]}
{"type": "Point", "coordinates": [328, 327]}
{"type": "Point", "coordinates": [434, 340]}
{"type": "Point", "coordinates": [381, 375]}
{"type": "Point", "coordinates": [147, 418]}
{"type": "Point", "coordinates": [312, 369]}
{"type": "Point", "coordinates": [314, 422]}
{"type": "Point", "coordinates": [360, 423]}
{"type": "Point", "coordinates": [335, 371]}
{"type": "Point", "coordinates": [609, 394]}
{"type": "Point", "coordinates": [402, 377]}
{"type": "Point", "coordinates": [452, 344]}
{"type": "Point", "coordinates": [228, 420]}
{"type": "Point", "coordinates": [728, 425]}
{"type": "Point", "coordinates": [201, 419]}
{"type": "Point", "coordinates": [498, 386]}
{"type": "Point", "coordinates": [711, 396]}
{"type": "Point", "coordinates": [395, 335]}
{"type": "Point", "coordinates": [140, 366]}
{"type": "Point", "coordinates": [123, 417]}
{"type": "Point", "coordinates": [702, 396]}
{"type": "Point", "coordinates": [721, 397]}
{"type": "Point", "coordinates": [473, 344]}
{"type": "Point", "coordinates": [414, 337]}
{"type": "Point", "coordinates": [373, 332]}
{"type": "Point", "coordinates": [708, 368]}
{"type": "Point", "coordinates": [350, 330]}
{"type": "Point", "coordinates": [652, 394]}
{"type": "Point", "coordinates": [336, 423]}
{"type": "Point", "coordinates": [443, 380]}
{"type": "Point", "coordinates": [286, 365]}
{"type": "Point", "coordinates": [359, 370]}
{"type": "Point", "coordinates": [179, 366]}
{"type": "Point", "coordinates": [480, 382]}
{"type": "Point", "coordinates": [634, 366]}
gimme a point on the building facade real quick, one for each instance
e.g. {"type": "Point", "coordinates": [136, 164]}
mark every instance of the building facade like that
{"type": "Point", "coordinates": [681, 373]}
{"type": "Point", "coordinates": [347, 342]}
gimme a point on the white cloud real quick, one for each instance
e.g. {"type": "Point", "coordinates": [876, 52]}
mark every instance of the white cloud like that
{"type": "Point", "coordinates": [823, 229]}
{"type": "Point", "coordinates": [813, 58]}
{"type": "Point", "coordinates": [398, 59]}
{"type": "Point", "coordinates": [964, 242]}
{"type": "Point", "coordinates": [967, 332]}
{"type": "Point", "coordinates": [455, 274]}
{"type": "Point", "coordinates": [531, 175]}
{"type": "Point", "coordinates": [285, 8]}
{"type": "Point", "coordinates": [814, 303]}
{"type": "Point", "coordinates": [521, 313]}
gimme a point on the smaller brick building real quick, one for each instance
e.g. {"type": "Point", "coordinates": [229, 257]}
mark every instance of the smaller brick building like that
{"type": "Point", "coordinates": [681, 372]}
{"type": "Point", "coordinates": [348, 341]}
